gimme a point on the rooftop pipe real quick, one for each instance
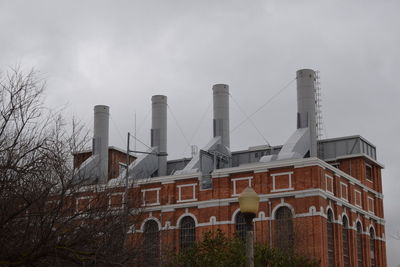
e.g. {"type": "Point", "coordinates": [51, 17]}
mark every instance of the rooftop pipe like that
{"type": "Point", "coordinates": [306, 102]}
{"type": "Point", "coordinates": [159, 130]}
{"type": "Point", "coordinates": [100, 140]}
{"type": "Point", "coordinates": [221, 113]}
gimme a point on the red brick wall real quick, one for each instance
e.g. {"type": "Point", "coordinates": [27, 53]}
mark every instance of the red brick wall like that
{"type": "Point", "coordinates": [309, 223]}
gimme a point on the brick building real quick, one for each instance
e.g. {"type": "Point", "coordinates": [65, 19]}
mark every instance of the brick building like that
{"type": "Point", "coordinates": [318, 197]}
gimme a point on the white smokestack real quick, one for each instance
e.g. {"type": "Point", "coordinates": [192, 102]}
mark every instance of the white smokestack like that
{"type": "Point", "coordinates": [100, 142]}
{"type": "Point", "coordinates": [159, 130]}
{"type": "Point", "coordinates": [306, 102]}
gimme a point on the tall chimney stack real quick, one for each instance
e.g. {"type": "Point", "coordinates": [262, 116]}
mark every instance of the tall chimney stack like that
{"type": "Point", "coordinates": [100, 142]}
{"type": "Point", "coordinates": [306, 102]}
{"type": "Point", "coordinates": [221, 113]}
{"type": "Point", "coordinates": [159, 130]}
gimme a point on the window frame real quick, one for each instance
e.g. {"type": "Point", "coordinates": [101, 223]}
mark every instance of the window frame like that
{"type": "Point", "coordinates": [290, 182]}
{"type": "Point", "coordinates": [234, 187]}
{"type": "Point", "coordinates": [151, 244]}
{"type": "Point", "coordinates": [355, 198]}
{"type": "Point", "coordinates": [194, 198]}
{"type": "Point", "coordinates": [331, 238]}
{"type": "Point", "coordinates": [284, 238]}
{"type": "Point", "coordinates": [328, 177]}
{"type": "Point", "coordinates": [371, 204]}
{"type": "Point", "coordinates": [345, 241]}
{"type": "Point", "coordinates": [151, 190]}
{"type": "Point", "coordinates": [341, 191]}
{"type": "Point", "coordinates": [359, 245]}
{"type": "Point", "coordinates": [240, 226]}
{"type": "Point", "coordinates": [372, 247]}
{"type": "Point", "coordinates": [187, 232]}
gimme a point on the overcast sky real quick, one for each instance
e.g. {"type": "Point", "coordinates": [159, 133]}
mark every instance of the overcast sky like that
{"type": "Point", "coordinates": [120, 53]}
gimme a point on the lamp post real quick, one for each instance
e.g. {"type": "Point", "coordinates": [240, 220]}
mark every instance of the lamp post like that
{"type": "Point", "coordinates": [248, 202]}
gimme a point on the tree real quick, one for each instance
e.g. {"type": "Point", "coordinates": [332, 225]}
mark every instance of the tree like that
{"type": "Point", "coordinates": [217, 250]}
{"type": "Point", "coordinates": [46, 217]}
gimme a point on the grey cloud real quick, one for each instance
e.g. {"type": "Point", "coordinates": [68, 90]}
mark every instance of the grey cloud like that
{"type": "Point", "coordinates": [120, 53]}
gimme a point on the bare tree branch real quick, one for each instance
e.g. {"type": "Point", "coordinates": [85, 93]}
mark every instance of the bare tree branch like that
{"type": "Point", "coordinates": [46, 218]}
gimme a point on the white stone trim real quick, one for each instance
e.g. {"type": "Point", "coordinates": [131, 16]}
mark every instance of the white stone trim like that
{"type": "Point", "coordinates": [178, 222]}
{"type": "Point", "coordinates": [180, 200]}
{"type": "Point", "coordinates": [214, 223]}
{"type": "Point", "coordinates": [344, 214]}
{"type": "Point", "coordinates": [233, 180]}
{"type": "Point", "coordinates": [329, 207]}
{"type": "Point", "coordinates": [265, 198]}
{"type": "Point", "coordinates": [149, 219]}
{"type": "Point", "coordinates": [341, 191]}
{"type": "Point", "coordinates": [274, 175]}
{"type": "Point", "coordinates": [373, 205]}
{"type": "Point", "coordinates": [355, 198]}
{"type": "Point", "coordinates": [256, 167]}
{"type": "Point", "coordinates": [169, 178]}
{"type": "Point", "coordinates": [283, 204]}
{"type": "Point", "coordinates": [326, 184]}
{"type": "Point", "coordinates": [82, 198]}
{"type": "Point", "coordinates": [122, 200]}
{"type": "Point", "coordinates": [234, 215]}
{"type": "Point", "coordinates": [150, 190]}
{"type": "Point", "coordinates": [373, 228]}
{"type": "Point", "coordinates": [312, 212]}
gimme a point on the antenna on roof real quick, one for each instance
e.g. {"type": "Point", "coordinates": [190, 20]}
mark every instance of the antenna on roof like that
{"type": "Point", "coordinates": [318, 107]}
{"type": "Point", "coordinates": [195, 150]}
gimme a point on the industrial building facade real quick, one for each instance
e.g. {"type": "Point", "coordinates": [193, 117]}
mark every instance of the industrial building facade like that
{"type": "Point", "coordinates": [319, 198]}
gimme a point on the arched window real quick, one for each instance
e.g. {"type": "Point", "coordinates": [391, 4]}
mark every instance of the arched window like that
{"type": "Point", "coordinates": [284, 229]}
{"type": "Point", "coordinates": [331, 242]}
{"type": "Point", "coordinates": [345, 238]}
{"type": "Point", "coordinates": [187, 232]}
{"type": "Point", "coordinates": [240, 226]}
{"type": "Point", "coordinates": [151, 243]}
{"type": "Point", "coordinates": [359, 245]}
{"type": "Point", "coordinates": [372, 246]}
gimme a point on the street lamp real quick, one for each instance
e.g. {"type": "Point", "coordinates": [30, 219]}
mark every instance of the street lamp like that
{"type": "Point", "coordinates": [248, 202]}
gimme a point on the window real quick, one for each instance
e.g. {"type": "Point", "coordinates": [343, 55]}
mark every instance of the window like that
{"type": "Point", "coordinates": [240, 226]}
{"type": "Point", "coordinates": [368, 172]}
{"type": "Point", "coordinates": [151, 244]}
{"type": "Point", "coordinates": [345, 238]}
{"type": "Point", "coordinates": [187, 232]}
{"type": "Point", "coordinates": [372, 246]}
{"type": "Point", "coordinates": [371, 205]}
{"type": "Point", "coordinates": [329, 183]}
{"type": "Point", "coordinates": [357, 198]}
{"type": "Point", "coordinates": [359, 245]}
{"type": "Point", "coordinates": [331, 245]}
{"type": "Point", "coordinates": [343, 191]}
{"type": "Point", "coordinates": [284, 229]}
